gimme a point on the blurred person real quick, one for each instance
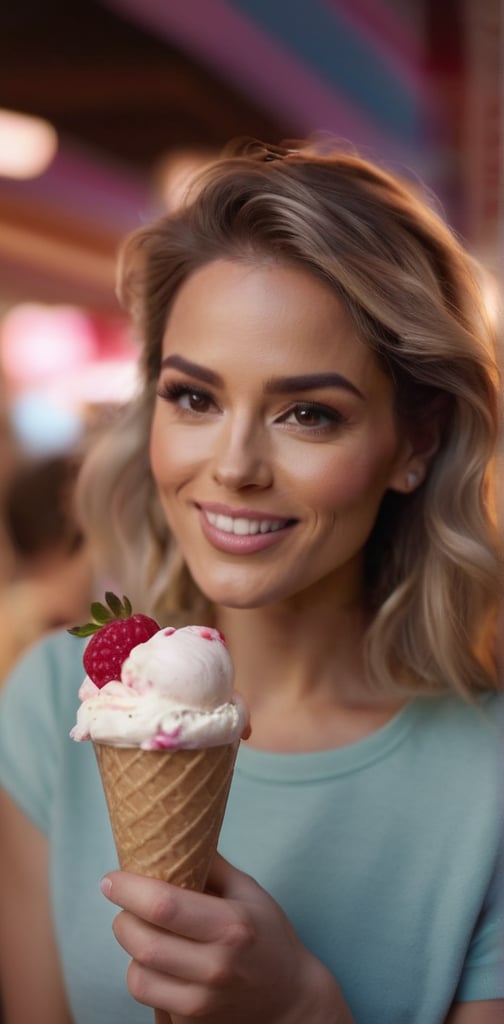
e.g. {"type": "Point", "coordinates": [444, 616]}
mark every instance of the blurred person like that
{"type": "Point", "coordinates": [9, 457]}
{"type": "Point", "coordinates": [309, 466]}
{"type": "Point", "coordinates": [51, 577]}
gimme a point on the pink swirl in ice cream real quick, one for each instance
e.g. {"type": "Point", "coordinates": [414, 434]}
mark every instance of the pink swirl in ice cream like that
{"type": "Point", "coordinates": [176, 690]}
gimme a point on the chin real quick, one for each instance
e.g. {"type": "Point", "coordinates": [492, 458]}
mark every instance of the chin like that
{"type": "Point", "coordinates": [241, 588]}
{"type": "Point", "coordinates": [227, 598]}
{"type": "Point", "coordinates": [245, 598]}
{"type": "Point", "coordinates": [230, 595]}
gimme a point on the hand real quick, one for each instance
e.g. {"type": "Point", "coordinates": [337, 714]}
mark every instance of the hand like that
{"type": "Point", "coordinates": [222, 958]}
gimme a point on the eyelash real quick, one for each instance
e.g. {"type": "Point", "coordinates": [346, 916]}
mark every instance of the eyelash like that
{"type": "Point", "coordinates": [174, 392]}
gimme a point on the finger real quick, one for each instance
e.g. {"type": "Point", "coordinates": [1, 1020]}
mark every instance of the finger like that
{"type": "Point", "coordinates": [168, 994]}
{"type": "Point", "coordinates": [159, 950]}
{"type": "Point", "coordinates": [194, 915]}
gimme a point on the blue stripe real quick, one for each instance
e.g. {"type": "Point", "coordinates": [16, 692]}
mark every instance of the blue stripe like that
{"type": "Point", "coordinates": [341, 59]}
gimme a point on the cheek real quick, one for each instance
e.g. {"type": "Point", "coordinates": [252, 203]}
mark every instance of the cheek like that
{"type": "Point", "coordinates": [172, 453]}
{"type": "Point", "coordinates": [349, 477]}
{"type": "Point", "coordinates": [163, 455]}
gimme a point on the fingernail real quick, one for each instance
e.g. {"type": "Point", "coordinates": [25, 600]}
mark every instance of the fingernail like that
{"type": "Point", "coordinates": [105, 886]}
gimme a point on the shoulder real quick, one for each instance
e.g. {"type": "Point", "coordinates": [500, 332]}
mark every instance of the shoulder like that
{"type": "Point", "coordinates": [452, 721]}
{"type": "Point", "coordinates": [457, 748]}
{"type": "Point", "coordinates": [38, 703]}
{"type": "Point", "coordinates": [44, 682]}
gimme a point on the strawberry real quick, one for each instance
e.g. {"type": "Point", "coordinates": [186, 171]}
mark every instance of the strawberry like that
{"type": "Point", "coordinates": [114, 632]}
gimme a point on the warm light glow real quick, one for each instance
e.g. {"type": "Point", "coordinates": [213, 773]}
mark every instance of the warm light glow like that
{"type": "Point", "coordinates": [175, 174]}
{"type": "Point", "coordinates": [39, 342]}
{"type": "Point", "coordinates": [62, 353]}
{"type": "Point", "coordinates": [27, 145]}
{"type": "Point", "coordinates": [491, 297]}
{"type": "Point", "coordinates": [111, 381]}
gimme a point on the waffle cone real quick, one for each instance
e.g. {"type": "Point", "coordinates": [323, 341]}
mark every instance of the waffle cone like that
{"type": "Point", "coordinates": [166, 808]}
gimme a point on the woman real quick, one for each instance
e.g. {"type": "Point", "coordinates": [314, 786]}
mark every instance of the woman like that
{"type": "Point", "coordinates": [320, 412]}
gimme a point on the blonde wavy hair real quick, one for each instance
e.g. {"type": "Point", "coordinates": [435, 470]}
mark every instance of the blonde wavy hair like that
{"type": "Point", "coordinates": [433, 562]}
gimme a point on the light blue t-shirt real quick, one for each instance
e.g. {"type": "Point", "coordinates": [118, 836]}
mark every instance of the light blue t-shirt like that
{"type": "Point", "coordinates": [386, 854]}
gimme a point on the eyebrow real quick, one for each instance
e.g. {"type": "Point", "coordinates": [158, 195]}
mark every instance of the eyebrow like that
{"type": "Point", "coordinates": [276, 385]}
{"type": "Point", "coordinates": [309, 382]}
{"type": "Point", "coordinates": [192, 370]}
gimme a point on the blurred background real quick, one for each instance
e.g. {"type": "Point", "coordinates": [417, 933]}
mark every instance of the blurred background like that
{"type": "Point", "coordinates": [120, 99]}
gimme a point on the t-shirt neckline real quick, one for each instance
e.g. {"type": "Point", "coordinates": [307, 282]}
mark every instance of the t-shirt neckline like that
{"type": "Point", "coordinates": [324, 764]}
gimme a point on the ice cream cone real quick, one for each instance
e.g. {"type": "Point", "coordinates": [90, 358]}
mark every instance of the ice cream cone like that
{"type": "Point", "coordinates": [166, 808]}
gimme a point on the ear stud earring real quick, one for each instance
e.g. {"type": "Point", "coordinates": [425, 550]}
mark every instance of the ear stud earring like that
{"type": "Point", "coordinates": [412, 479]}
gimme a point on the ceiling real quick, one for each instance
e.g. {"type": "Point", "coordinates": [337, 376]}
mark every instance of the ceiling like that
{"type": "Point", "coordinates": [127, 82]}
{"type": "Point", "coordinates": [108, 84]}
{"type": "Point", "coordinates": [121, 99]}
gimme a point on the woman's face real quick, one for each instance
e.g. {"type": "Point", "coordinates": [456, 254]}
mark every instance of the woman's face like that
{"type": "Point", "coordinates": [274, 438]}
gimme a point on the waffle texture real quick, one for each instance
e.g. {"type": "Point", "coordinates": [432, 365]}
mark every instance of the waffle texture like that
{"type": "Point", "coordinates": [166, 808]}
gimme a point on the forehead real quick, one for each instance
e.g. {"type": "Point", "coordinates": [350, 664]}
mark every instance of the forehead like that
{"type": "Point", "coordinates": [275, 315]}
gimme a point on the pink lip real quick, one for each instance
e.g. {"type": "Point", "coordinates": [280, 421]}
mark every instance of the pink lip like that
{"type": "Point", "coordinates": [236, 544]}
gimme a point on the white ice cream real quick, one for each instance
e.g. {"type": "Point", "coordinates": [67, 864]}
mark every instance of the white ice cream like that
{"type": "Point", "coordinates": [176, 690]}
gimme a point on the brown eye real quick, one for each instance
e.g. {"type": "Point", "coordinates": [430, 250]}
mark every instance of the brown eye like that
{"type": "Point", "coordinates": [197, 401]}
{"type": "Point", "coordinates": [307, 416]}
{"type": "Point", "coordinates": [314, 416]}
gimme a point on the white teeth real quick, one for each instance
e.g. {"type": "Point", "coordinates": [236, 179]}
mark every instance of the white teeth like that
{"type": "Point", "coordinates": [241, 526]}
{"type": "Point", "coordinates": [225, 523]}
{"type": "Point", "coordinates": [244, 527]}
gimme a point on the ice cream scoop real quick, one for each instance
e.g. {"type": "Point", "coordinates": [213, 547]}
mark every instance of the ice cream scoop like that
{"type": "Point", "coordinates": [175, 690]}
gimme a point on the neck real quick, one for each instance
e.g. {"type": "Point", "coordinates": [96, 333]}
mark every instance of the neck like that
{"type": "Point", "coordinates": [288, 649]}
{"type": "Point", "coordinates": [307, 649]}
{"type": "Point", "coordinates": [303, 677]}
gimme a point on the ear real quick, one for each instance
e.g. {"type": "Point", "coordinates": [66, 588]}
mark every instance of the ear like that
{"type": "Point", "coordinates": [421, 442]}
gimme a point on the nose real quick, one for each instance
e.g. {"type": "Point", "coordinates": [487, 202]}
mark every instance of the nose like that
{"type": "Point", "coordinates": [242, 458]}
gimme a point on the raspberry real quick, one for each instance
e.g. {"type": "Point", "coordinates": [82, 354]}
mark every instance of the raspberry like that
{"type": "Point", "coordinates": [114, 632]}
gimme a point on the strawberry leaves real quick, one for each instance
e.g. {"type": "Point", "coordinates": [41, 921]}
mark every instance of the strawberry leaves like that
{"type": "Point", "coordinates": [102, 614]}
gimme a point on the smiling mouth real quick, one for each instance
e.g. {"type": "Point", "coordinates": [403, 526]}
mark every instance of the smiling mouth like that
{"type": "Point", "coordinates": [245, 527]}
